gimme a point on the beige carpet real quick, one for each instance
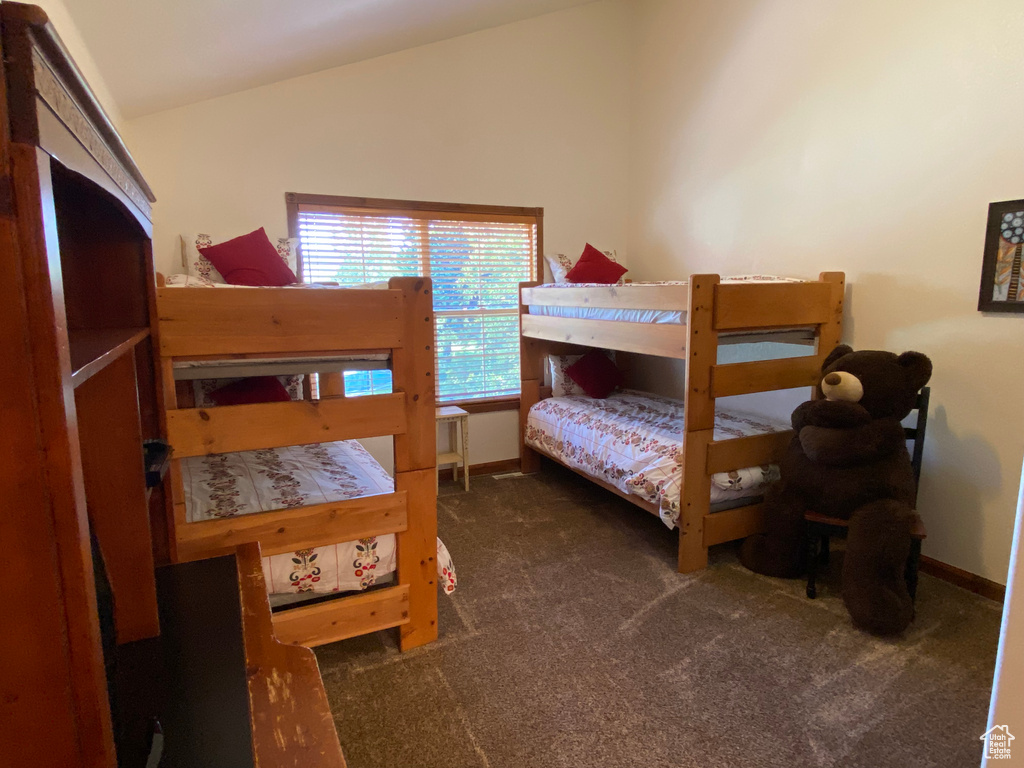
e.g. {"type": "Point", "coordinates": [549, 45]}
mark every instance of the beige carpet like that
{"type": "Point", "coordinates": [572, 641]}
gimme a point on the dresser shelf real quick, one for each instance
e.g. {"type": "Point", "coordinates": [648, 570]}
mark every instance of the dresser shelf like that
{"type": "Point", "coordinates": [94, 350]}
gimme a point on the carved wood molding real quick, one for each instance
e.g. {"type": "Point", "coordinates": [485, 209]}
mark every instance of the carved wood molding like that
{"type": "Point", "coordinates": [50, 88]}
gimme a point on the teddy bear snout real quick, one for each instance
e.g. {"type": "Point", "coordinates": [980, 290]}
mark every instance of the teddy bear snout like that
{"type": "Point", "coordinates": [841, 385]}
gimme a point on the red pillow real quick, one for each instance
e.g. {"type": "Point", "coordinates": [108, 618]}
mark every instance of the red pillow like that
{"type": "Point", "coordinates": [596, 374]}
{"type": "Point", "coordinates": [259, 389]}
{"type": "Point", "coordinates": [595, 267]}
{"type": "Point", "coordinates": [250, 260]}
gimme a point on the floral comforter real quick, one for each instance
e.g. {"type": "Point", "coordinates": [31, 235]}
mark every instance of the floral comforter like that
{"type": "Point", "coordinates": [232, 484]}
{"type": "Point", "coordinates": [631, 440]}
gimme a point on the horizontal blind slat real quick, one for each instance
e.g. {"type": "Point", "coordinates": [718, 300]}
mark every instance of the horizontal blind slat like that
{"type": "Point", "coordinates": [475, 266]}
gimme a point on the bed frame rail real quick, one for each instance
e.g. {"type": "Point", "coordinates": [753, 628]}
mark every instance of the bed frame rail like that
{"type": "Point", "coordinates": [764, 376]}
{"type": "Point", "coordinates": [731, 524]}
{"type": "Point", "coordinates": [741, 307]}
{"type": "Point", "coordinates": [286, 530]}
{"type": "Point", "coordinates": [658, 339]}
{"type": "Point", "coordinates": [344, 617]}
{"type": "Point", "coordinates": [197, 322]}
{"type": "Point", "coordinates": [202, 431]}
{"type": "Point", "coordinates": [741, 452]}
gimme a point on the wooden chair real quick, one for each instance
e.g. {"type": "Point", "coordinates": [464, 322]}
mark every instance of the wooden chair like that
{"type": "Point", "coordinates": [821, 528]}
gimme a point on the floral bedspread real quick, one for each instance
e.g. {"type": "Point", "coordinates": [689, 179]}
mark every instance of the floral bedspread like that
{"type": "Point", "coordinates": [232, 484]}
{"type": "Point", "coordinates": [631, 440]}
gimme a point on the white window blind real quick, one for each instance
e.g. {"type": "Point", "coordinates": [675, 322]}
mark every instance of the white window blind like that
{"type": "Point", "coordinates": [476, 262]}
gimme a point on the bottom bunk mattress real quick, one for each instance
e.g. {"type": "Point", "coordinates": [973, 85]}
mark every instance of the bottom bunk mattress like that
{"type": "Point", "coordinates": [631, 440]}
{"type": "Point", "coordinates": [231, 484]}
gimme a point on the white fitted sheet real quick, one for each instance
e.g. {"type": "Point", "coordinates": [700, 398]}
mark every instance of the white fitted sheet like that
{"type": "Point", "coordinates": [676, 317]}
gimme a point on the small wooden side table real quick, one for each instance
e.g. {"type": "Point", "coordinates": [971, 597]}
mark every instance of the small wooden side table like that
{"type": "Point", "coordinates": [457, 421]}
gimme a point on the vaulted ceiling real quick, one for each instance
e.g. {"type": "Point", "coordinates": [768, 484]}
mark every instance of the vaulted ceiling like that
{"type": "Point", "coordinates": [159, 54]}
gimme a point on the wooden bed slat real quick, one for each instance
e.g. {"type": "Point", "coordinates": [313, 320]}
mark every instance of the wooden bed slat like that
{"type": "Point", "coordinates": [742, 452]}
{"type": "Point", "coordinates": [225, 429]}
{"type": "Point", "coordinates": [636, 296]}
{"type": "Point", "coordinates": [771, 305]}
{"type": "Point", "coordinates": [661, 339]}
{"type": "Point", "coordinates": [286, 530]}
{"type": "Point", "coordinates": [343, 617]}
{"type": "Point", "coordinates": [205, 321]}
{"type": "Point", "coordinates": [764, 376]}
{"type": "Point", "coordinates": [732, 524]}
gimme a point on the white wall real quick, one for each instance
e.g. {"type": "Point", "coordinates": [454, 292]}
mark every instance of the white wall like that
{"type": "Point", "coordinates": [859, 135]}
{"type": "Point", "coordinates": [72, 38]}
{"type": "Point", "coordinates": [532, 113]}
{"type": "Point", "coordinates": [529, 114]}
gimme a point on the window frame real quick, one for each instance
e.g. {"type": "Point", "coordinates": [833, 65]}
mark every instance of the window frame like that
{"type": "Point", "coordinates": [418, 209]}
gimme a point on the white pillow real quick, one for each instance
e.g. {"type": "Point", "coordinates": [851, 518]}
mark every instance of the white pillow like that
{"type": "Point", "coordinates": [558, 265]}
{"type": "Point", "coordinates": [199, 266]}
{"type": "Point", "coordinates": [561, 384]}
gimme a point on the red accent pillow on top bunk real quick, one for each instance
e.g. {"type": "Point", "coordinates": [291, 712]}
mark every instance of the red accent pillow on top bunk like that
{"type": "Point", "coordinates": [258, 389]}
{"type": "Point", "coordinates": [596, 374]}
{"type": "Point", "coordinates": [595, 267]}
{"type": "Point", "coordinates": [250, 260]}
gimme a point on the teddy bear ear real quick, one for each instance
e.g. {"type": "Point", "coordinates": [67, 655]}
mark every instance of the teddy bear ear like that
{"type": "Point", "coordinates": [916, 367]}
{"type": "Point", "coordinates": [835, 354]}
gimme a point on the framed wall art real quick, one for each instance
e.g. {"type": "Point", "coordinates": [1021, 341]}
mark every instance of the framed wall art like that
{"type": "Point", "coordinates": [1002, 281]}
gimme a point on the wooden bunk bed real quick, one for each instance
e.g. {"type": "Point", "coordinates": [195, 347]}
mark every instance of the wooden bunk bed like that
{"type": "Point", "coordinates": [276, 324]}
{"type": "Point", "coordinates": [716, 313]}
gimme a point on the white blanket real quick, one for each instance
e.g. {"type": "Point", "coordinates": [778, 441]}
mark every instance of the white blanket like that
{"type": "Point", "coordinates": [231, 484]}
{"type": "Point", "coordinates": [632, 440]}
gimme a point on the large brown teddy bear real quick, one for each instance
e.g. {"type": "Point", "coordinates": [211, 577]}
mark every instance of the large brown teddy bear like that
{"type": "Point", "coordinates": [848, 459]}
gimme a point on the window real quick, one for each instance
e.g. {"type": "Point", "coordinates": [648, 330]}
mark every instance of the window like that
{"type": "Point", "coordinates": [476, 257]}
{"type": "Point", "coordinates": [359, 383]}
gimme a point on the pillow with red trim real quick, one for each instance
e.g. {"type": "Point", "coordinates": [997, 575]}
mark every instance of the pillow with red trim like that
{"type": "Point", "coordinates": [258, 389]}
{"type": "Point", "coordinates": [250, 260]}
{"type": "Point", "coordinates": [596, 374]}
{"type": "Point", "coordinates": [595, 267]}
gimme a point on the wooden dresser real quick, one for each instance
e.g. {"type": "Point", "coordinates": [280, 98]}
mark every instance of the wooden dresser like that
{"type": "Point", "coordinates": [78, 398]}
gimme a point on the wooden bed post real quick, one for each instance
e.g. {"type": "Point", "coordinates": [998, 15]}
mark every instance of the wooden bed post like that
{"type": "Point", "coordinates": [415, 459]}
{"type": "Point", "coordinates": [831, 333]}
{"type": "Point", "coordinates": [174, 492]}
{"type": "Point", "coordinates": [531, 374]}
{"type": "Point", "coordinates": [701, 355]}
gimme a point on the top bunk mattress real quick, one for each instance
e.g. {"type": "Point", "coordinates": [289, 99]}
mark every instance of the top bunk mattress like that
{"type": "Point", "coordinates": [631, 440]}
